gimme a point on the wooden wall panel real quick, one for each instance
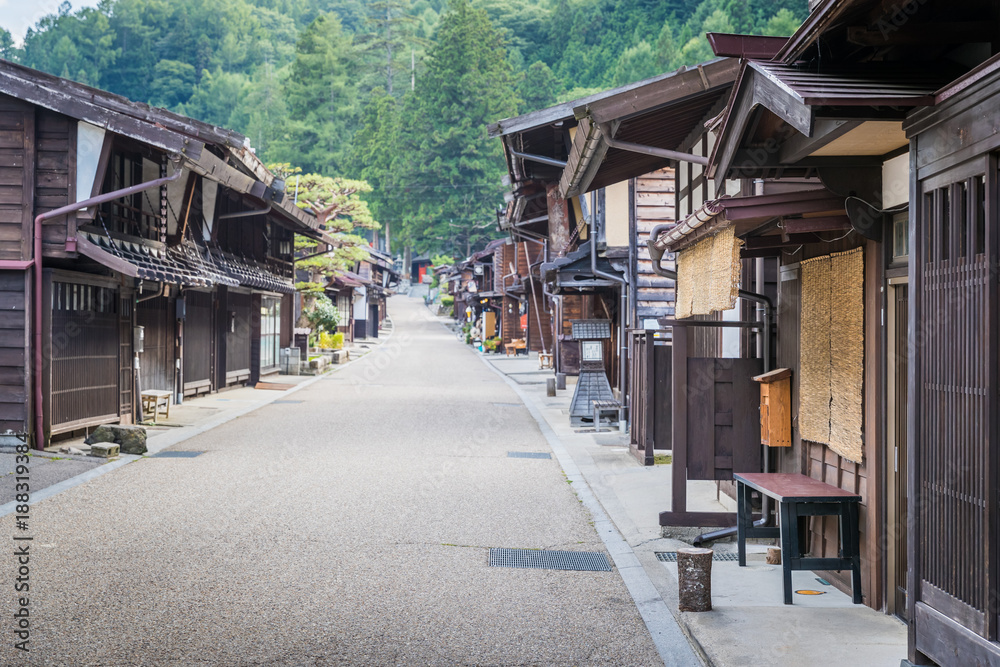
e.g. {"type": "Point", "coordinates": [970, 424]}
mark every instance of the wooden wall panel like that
{"type": "Point", "coordinates": [83, 356]}
{"type": "Point", "coordinates": [14, 380]}
{"type": "Point", "coordinates": [654, 205]}
{"type": "Point", "coordinates": [55, 176]}
{"type": "Point", "coordinates": [157, 360]}
{"type": "Point", "coordinates": [17, 159]}
{"type": "Point", "coordinates": [199, 343]}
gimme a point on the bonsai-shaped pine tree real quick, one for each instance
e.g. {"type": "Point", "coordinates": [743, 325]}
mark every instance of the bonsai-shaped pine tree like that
{"type": "Point", "coordinates": [337, 204]}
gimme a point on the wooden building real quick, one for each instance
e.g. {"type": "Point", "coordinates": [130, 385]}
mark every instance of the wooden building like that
{"type": "Point", "coordinates": [651, 145]}
{"type": "Point", "coordinates": [567, 196]}
{"type": "Point", "coordinates": [378, 275]}
{"type": "Point", "coordinates": [867, 158]}
{"type": "Point", "coordinates": [116, 216]}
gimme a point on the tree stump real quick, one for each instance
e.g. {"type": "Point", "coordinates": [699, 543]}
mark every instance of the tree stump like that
{"type": "Point", "coordinates": [694, 575]}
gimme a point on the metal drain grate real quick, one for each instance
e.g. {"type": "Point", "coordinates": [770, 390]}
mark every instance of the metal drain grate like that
{"type": "Point", "coordinates": [528, 455]}
{"type": "Point", "coordinates": [583, 561]}
{"type": "Point", "coordinates": [671, 556]}
{"type": "Point", "coordinates": [176, 455]}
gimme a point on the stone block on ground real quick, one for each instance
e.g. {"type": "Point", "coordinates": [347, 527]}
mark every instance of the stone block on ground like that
{"type": "Point", "coordinates": [341, 356]}
{"type": "Point", "coordinates": [132, 439]}
{"type": "Point", "coordinates": [104, 450]}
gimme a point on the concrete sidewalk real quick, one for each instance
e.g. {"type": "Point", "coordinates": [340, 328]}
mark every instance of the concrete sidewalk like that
{"type": "Point", "coordinates": [749, 623]}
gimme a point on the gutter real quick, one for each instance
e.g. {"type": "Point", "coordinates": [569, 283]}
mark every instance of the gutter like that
{"type": "Point", "coordinates": [36, 264]}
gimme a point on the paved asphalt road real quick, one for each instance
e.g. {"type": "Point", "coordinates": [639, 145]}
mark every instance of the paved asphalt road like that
{"type": "Point", "coordinates": [348, 526]}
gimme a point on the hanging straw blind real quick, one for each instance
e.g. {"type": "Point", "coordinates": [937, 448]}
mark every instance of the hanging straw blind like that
{"type": "Point", "coordinates": [708, 275]}
{"type": "Point", "coordinates": [832, 352]}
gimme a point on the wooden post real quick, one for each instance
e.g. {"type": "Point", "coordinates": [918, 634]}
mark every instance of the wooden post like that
{"type": "Point", "coordinates": [559, 221]}
{"type": "Point", "coordinates": [694, 578]}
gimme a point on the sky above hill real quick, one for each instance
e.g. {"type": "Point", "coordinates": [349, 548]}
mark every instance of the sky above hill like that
{"type": "Point", "coordinates": [16, 16]}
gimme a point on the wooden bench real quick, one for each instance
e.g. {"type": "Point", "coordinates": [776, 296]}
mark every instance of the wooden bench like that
{"type": "Point", "coordinates": [798, 496]}
{"type": "Point", "coordinates": [515, 346]}
{"type": "Point", "coordinates": [544, 360]}
{"type": "Point", "coordinates": [604, 407]}
{"type": "Point", "coordinates": [152, 399]}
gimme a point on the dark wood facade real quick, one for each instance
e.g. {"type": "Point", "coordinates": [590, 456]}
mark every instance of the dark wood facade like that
{"type": "Point", "coordinates": [953, 450]}
{"type": "Point", "coordinates": [213, 235]}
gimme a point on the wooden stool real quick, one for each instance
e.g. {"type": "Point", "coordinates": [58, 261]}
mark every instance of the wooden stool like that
{"type": "Point", "coordinates": [152, 399]}
{"type": "Point", "coordinates": [544, 360]}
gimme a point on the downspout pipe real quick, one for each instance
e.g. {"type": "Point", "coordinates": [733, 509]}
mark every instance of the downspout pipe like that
{"type": "Point", "coordinates": [36, 264]}
{"type": "Point", "coordinates": [622, 308]}
{"type": "Point", "coordinates": [155, 295]}
{"type": "Point", "coordinates": [768, 311]}
{"type": "Point", "coordinates": [557, 299]}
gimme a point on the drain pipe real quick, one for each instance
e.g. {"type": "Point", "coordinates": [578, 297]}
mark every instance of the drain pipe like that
{"type": "Point", "coordinates": [767, 310]}
{"type": "Point", "coordinates": [36, 265]}
{"type": "Point", "coordinates": [557, 299]}
{"type": "Point", "coordinates": [622, 308]}
{"type": "Point", "coordinates": [160, 292]}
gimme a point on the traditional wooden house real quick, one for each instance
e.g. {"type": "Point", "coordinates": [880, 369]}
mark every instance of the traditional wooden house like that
{"type": "Point", "coordinates": [345, 289]}
{"type": "Point", "coordinates": [378, 274]}
{"type": "Point", "coordinates": [648, 146]}
{"type": "Point", "coordinates": [143, 251]}
{"type": "Point", "coordinates": [875, 125]}
{"type": "Point", "coordinates": [564, 167]}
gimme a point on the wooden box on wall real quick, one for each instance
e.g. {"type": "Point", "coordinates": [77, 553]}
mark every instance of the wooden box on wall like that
{"type": "Point", "coordinates": [776, 407]}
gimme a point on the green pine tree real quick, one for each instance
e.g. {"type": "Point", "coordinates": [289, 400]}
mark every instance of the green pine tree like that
{"type": "Point", "coordinates": [321, 95]}
{"type": "Point", "coordinates": [452, 171]}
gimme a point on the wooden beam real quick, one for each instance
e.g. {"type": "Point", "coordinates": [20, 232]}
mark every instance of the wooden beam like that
{"type": "Point", "coordinates": [824, 132]}
{"type": "Point", "coordinates": [839, 223]}
{"type": "Point", "coordinates": [782, 241]}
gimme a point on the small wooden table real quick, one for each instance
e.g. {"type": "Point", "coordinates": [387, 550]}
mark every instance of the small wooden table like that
{"type": "Point", "coordinates": [544, 360]}
{"type": "Point", "coordinates": [797, 496]}
{"type": "Point", "coordinates": [152, 399]}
